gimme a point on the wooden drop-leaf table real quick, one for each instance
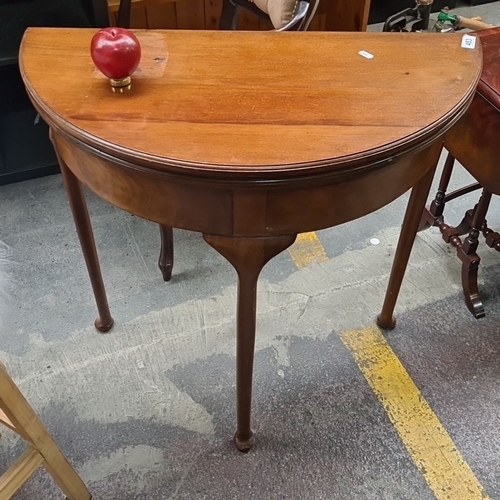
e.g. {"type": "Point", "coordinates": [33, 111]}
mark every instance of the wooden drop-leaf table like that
{"type": "Point", "coordinates": [251, 138]}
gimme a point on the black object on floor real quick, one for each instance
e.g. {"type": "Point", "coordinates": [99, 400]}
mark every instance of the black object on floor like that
{"type": "Point", "coordinates": [382, 9]}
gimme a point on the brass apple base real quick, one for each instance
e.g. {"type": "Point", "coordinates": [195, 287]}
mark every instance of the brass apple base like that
{"type": "Point", "coordinates": [121, 85]}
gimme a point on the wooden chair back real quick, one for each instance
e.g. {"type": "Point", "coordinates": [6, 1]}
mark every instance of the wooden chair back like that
{"type": "Point", "coordinates": [303, 13]}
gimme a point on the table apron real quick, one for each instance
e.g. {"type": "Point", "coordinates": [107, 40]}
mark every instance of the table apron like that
{"type": "Point", "coordinates": [253, 210]}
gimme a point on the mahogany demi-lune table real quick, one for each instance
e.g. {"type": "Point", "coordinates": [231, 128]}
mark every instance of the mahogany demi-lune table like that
{"type": "Point", "coordinates": [251, 138]}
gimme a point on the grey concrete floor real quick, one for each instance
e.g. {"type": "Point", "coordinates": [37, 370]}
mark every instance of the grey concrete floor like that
{"type": "Point", "coordinates": [148, 410]}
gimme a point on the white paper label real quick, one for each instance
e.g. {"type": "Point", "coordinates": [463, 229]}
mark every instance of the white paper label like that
{"type": "Point", "coordinates": [469, 42]}
{"type": "Point", "coordinates": [363, 53]}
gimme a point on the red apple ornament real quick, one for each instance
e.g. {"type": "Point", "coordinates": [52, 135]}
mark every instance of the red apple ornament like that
{"type": "Point", "coordinates": [116, 52]}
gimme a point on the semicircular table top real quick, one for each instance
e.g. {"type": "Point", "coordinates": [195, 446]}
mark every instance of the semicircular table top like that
{"type": "Point", "coordinates": [282, 100]}
{"type": "Point", "coordinates": [251, 138]}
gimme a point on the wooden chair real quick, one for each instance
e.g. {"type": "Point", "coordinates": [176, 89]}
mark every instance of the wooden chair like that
{"type": "Point", "coordinates": [284, 15]}
{"type": "Point", "coordinates": [17, 414]}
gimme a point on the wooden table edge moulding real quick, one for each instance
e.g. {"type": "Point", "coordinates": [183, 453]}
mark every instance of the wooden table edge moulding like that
{"type": "Point", "coordinates": [251, 138]}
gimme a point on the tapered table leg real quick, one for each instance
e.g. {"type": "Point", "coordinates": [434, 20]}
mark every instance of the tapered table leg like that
{"type": "Point", "coordinates": [76, 198]}
{"type": "Point", "coordinates": [166, 260]}
{"type": "Point", "coordinates": [248, 256]}
{"type": "Point", "coordinates": [409, 230]}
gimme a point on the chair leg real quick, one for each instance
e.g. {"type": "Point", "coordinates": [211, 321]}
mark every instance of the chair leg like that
{"type": "Point", "coordinates": [25, 421]}
{"type": "Point", "coordinates": [166, 260]}
{"type": "Point", "coordinates": [229, 15]}
{"type": "Point", "coordinates": [123, 19]}
{"type": "Point", "coordinates": [101, 14]}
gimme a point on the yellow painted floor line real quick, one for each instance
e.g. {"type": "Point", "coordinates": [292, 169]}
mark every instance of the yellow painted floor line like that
{"type": "Point", "coordinates": [307, 249]}
{"type": "Point", "coordinates": [430, 446]}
